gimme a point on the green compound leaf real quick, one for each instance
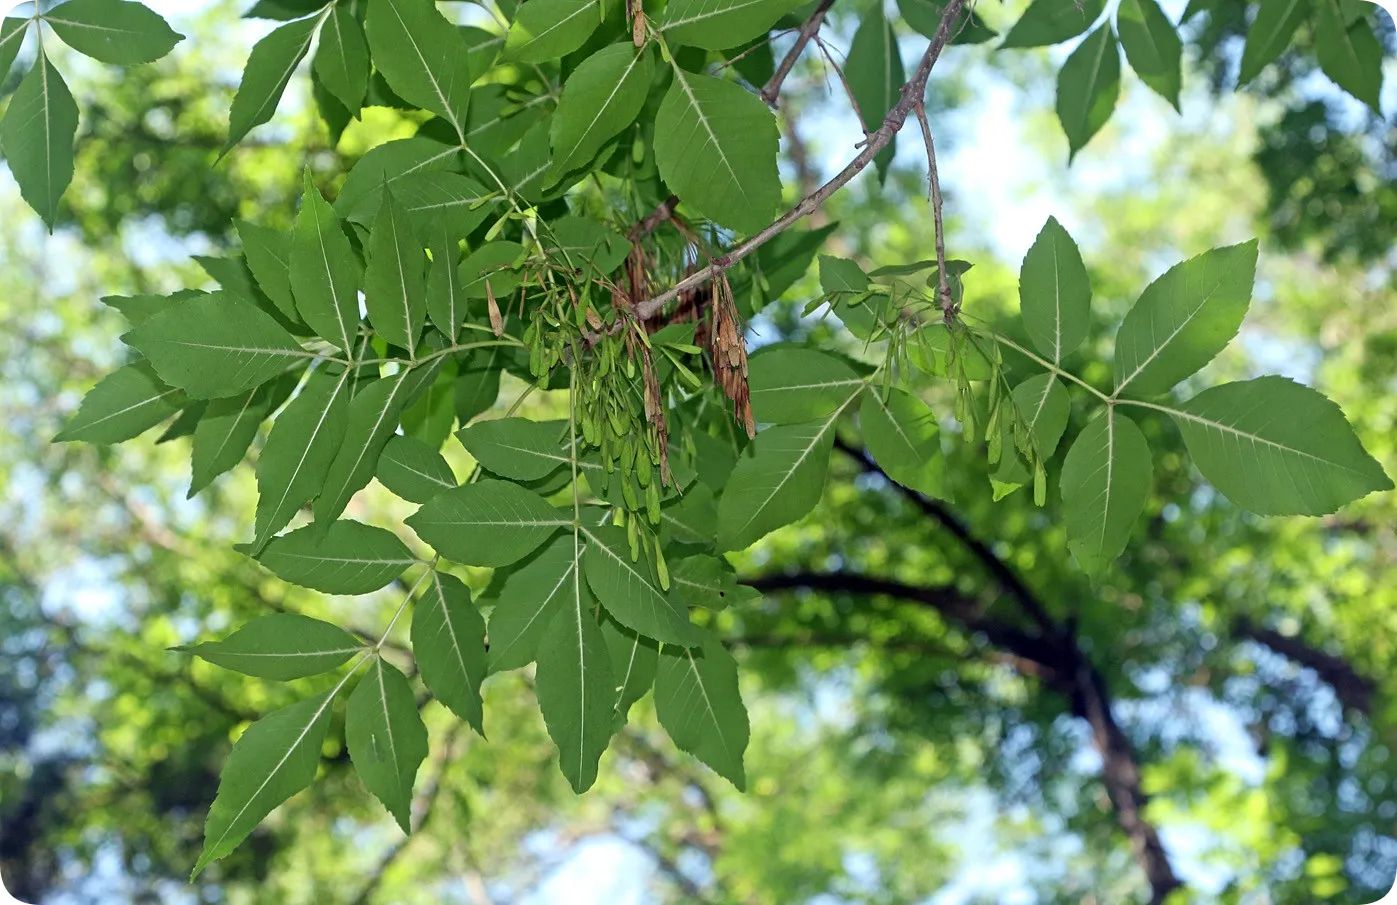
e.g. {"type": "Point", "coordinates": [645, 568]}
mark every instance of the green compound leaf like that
{"type": "Point", "coordinates": [395, 280]}
{"type": "Point", "coordinates": [448, 641]}
{"type": "Point", "coordinates": [1349, 53]}
{"type": "Point", "coordinates": [698, 703]}
{"type": "Point", "coordinates": [1277, 447]}
{"type": "Point", "coordinates": [875, 77]}
{"type": "Point", "coordinates": [1055, 293]}
{"type": "Point", "coordinates": [602, 96]}
{"type": "Point", "coordinates": [1152, 46]}
{"type": "Point", "coordinates": [113, 31]}
{"type": "Point", "coordinates": [36, 137]}
{"type": "Point", "coordinates": [544, 30]}
{"type": "Point", "coordinates": [281, 647]}
{"type": "Point", "coordinates": [373, 418]}
{"type": "Point", "coordinates": [488, 523]}
{"type": "Point", "coordinates": [1052, 22]}
{"type": "Point", "coordinates": [778, 480]}
{"type": "Point", "coordinates": [127, 402]}
{"type": "Point", "coordinates": [1270, 34]}
{"type": "Point", "coordinates": [575, 685]}
{"type": "Point", "coordinates": [535, 592]}
{"type": "Point", "coordinates": [325, 273]}
{"type": "Point", "coordinates": [227, 427]}
{"type": "Point", "coordinates": [268, 254]}
{"type": "Point", "coordinates": [12, 32]}
{"type": "Point", "coordinates": [630, 591]}
{"type": "Point", "coordinates": [1184, 319]}
{"type": "Point", "coordinates": [720, 24]}
{"type": "Point", "coordinates": [274, 759]}
{"type": "Point", "coordinates": [303, 443]}
{"type": "Point", "coordinates": [790, 384]}
{"type": "Point", "coordinates": [1105, 482]}
{"type": "Point", "coordinates": [423, 57]}
{"type": "Point", "coordinates": [1087, 88]}
{"type": "Point", "coordinates": [386, 738]}
{"type": "Point", "coordinates": [387, 166]}
{"type": "Point", "coordinates": [216, 345]}
{"type": "Point", "coordinates": [715, 145]}
{"type": "Point", "coordinates": [269, 69]}
{"type": "Point", "coordinates": [1044, 405]}
{"type": "Point", "coordinates": [517, 448]}
{"type": "Point", "coordinates": [904, 438]}
{"type": "Point", "coordinates": [342, 59]}
{"type": "Point", "coordinates": [413, 470]}
{"type": "Point", "coordinates": [634, 661]}
{"type": "Point", "coordinates": [347, 557]}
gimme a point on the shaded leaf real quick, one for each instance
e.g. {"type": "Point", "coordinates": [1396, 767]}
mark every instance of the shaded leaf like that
{"type": "Point", "coordinates": [875, 75]}
{"type": "Point", "coordinates": [36, 137]}
{"type": "Point", "coordinates": [386, 738]}
{"type": "Point", "coordinates": [630, 591]}
{"type": "Point", "coordinates": [698, 703]}
{"type": "Point", "coordinates": [1044, 405]}
{"type": "Point", "coordinates": [127, 402]}
{"type": "Point", "coordinates": [488, 523]}
{"type": "Point", "coordinates": [1349, 53]}
{"type": "Point", "coordinates": [281, 647]}
{"type": "Point", "coordinates": [904, 438]}
{"type": "Point", "coordinates": [413, 470]}
{"type": "Point", "coordinates": [448, 641]}
{"type": "Point", "coordinates": [517, 448]}
{"type": "Point", "coordinates": [325, 273]}
{"type": "Point", "coordinates": [790, 384]}
{"type": "Point", "coordinates": [345, 557]}
{"type": "Point", "coordinates": [1055, 293]}
{"type": "Point", "coordinates": [575, 686]}
{"type": "Point", "coordinates": [720, 24]}
{"type": "Point", "coordinates": [1269, 34]}
{"type": "Point", "coordinates": [1183, 319]}
{"type": "Point", "coordinates": [269, 68]}
{"type": "Point", "coordinates": [545, 30]}
{"type": "Point", "coordinates": [1052, 22]}
{"type": "Point", "coordinates": [1087, 87]}
{"type": "Point", "coordinates": [113, 31]}
{"type": "Point", "coordinates": [634, 661]}
{"type": "Point", "coordinates": [303, 443]}
{"type": "Point", "coordinates": [274, 759]}
{"type": "Point", "coordinates": [215, 345]}
{"type": "Point", "coordinates": [531, 596]}
{"type": "Point", "coordinates": [228, 425]}
{"type": "Point", "coordinates": [395, 280]}
{"type": "Point", "coordinates": [602, 96]}
{"type": "Point", "coordinates": [1105, 482]}
{"type": "Point", "coordinates": [1277, 447]}
{"type": "Point", "coordinates": [422, 56]}
{"type": "Point", "coordinates": [1152, 46]}
{"type": "Point", "coordinates": [715, 145]}
{"type": "Point", "coordinates": [342, 59]}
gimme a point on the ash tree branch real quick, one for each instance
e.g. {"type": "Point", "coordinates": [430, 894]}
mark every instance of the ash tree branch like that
{"type": "Point", "coordinates": [772, 88]}
{"type": "Point", "coordinates": [912, 93]}
{"type": "Point", "coordinates": [1354, 690]}
{"type": "Point", "coordinates": [1003, 574]}
{"type": "Point", "coordinates": [1054, 658]}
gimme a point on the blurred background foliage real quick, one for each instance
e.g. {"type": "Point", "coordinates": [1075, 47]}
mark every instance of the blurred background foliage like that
{"type": "Point", "coordinates": [902, 751]}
